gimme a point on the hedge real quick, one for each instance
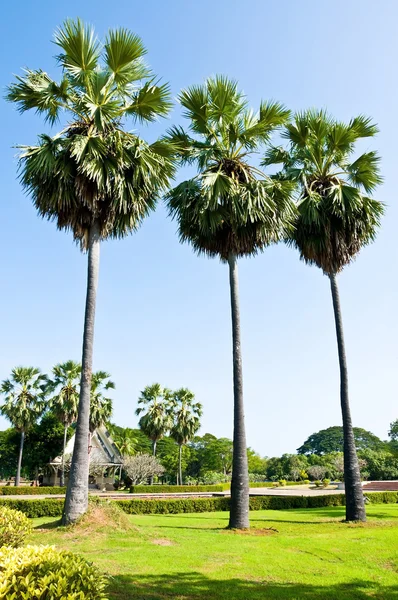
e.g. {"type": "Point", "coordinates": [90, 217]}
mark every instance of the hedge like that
{"type": "Point", "coordinates": [271, 484]}
{"type": "Point", "coordinates": [170, 489]}
{"type": "Point", "coordinates": [44, 507]}
{"type": "Point", "coordinates": [52, 507]}
{"type": "Point", "coordinates": [31, 490]}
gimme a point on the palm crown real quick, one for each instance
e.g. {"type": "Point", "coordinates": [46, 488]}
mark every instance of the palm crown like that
{"type": "Point", "coordinates": [153, 405]}
{"type": "Point", "coordinates": [66, 385]}
{"type": "Point", "coordinates": [93, 171]}
{"type": "Point", "coordinates": [230, 207]}
{"type": "Point", "coordinates": [336, 214]}
{"type": "Point", "coordinates": [100, 405]}
{"type": "Point", "coordinates": [24, 392]}
{"type": "Point", "coordinates": [186, 415]}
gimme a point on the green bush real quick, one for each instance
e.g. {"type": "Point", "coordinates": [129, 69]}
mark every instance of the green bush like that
{"type": "Point", "coordinates": [174, 489]}
{"type": "Point", "coordinates": [318, 483]}
{"type": "Point", "coordinates": [282, 482]}
{"type": "Point", "coordinates": [31, 491]}
{"type": "Point", "coordinates": [326, 482]}
{"type": "Point", "coordinates": [14, 527]}
{"type": "Point", "coordinates": [44, 507]}
{"type": "Point", "coordinates": [52, 507]}
{"type": "Point", "coordinates": [44, 572]}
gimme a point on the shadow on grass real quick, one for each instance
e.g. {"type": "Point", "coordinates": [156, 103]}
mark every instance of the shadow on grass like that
{"type": "Point", "coordinates": [196, 586]}
{"type": "Point", "coordinates": [51, 525]}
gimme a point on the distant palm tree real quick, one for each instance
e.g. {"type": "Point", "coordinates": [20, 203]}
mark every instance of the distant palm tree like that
{"type": "Point", "coordinates": [66, 385]}
{"type": "Point", "coordinates": [93, 177]}
{"type": "Point", "coordinates": [229, 210]}
{"type": "Point", "coordinates": [336, 218]}
{"type": "Point", "coordinates": [100, 405]}
{"type": "Point", "coordinates": [186, 415]}
{"type": "Point", "coordinates": [24, 402]}
{"type": "Point", "coordinates": [153, 407]}
{"type": "Point", "coordinates": [126, 442]}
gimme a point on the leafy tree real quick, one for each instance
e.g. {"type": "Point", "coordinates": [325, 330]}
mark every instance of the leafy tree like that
{"type": "Point", "coordinates": [393, 433]}
{"type": "Point", "coordinates": [10, 440]}
{"type": "Point", "coordinates": [336, 217]}
{"type": "Point", "coordinates": [153, 406]}
{"type": "Point", "coordinates": [100, 405]}
{"type": "Point", "coordinates": [126, 442]}
{"type": "Point", "coordinates": [24, 395]}
{"type": "Point", "coordinates": [186, 415]}
{"type": "Point", "coordinates": [256, 464]}
{"type": "Point", "coordinates": [316, 472]}
{"type": "Point", "coordinates": [332, 440]}
{"type": "Point", "coordinates": [66, 385]}
{"type": "Point", "coordinates": [142, 467]}
{"type": "Point", "coordinates": [168, 455]}
{"type": "Point", "coordinates": [228, 210]}
{"type": "Point", "coordinates": [43, 442]}
{"type": "Point", "coordinates": [93, 178]}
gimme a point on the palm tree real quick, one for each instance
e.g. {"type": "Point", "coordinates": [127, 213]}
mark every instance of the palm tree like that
{"type": "Point", "coordinates": [153, 406]}
{"type": "Point", "coordinates": [229, 210]}
{"type": "Point", "coordinates": [336, 218]}
{"type": "Point", "coordinates": [186, 415]}
{"type": "Point", "coordinates": [126, 442]}
{"type": "Point", "coordinates": [100, 405]}
{"type": "Point", "coordinates": [24, 402]}
{"type": "Point", "coordinates": [93, 178]}
{"type": "Point", "coordinates": [65, 382]}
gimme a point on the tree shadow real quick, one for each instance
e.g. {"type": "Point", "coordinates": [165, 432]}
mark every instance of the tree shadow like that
{"type": "Point", "coordinates": [196, 586]}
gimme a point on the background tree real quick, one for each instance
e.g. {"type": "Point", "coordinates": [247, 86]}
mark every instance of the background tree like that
{"type": "Point", "coordinates": [43, 442]}
{"type": "Point", "coordinates": [126, 442]}
{"type": "Point", "coordinates": [65, 383]}
{"type": "Point", "coordinates": [24, 395]}
{"type": "Point", "coordinates": [142, 467]}
{"type": "Point", "coordinates": [336, 218]}
{"type": "Point", "coordinates": [186, 415]}
{"type": "Point", "coordinates": [153, 407]}
{"type": "Point", "coordinates": [332, 440]}
{"type": "Point", "coordinates": [93, 177]}
{"type": "Point", "coordinates": [100, 405]}
{"type": "Point", "coordinates": [230, 209]}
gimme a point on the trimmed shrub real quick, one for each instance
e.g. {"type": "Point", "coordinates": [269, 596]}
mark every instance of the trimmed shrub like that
{"type": "Point", "coordinates": [14, 527]}
{"type": "Point", "coordinates": [170, 489]}
{"type": "Point", "coordinates": [44, 572]}
{"type": "Point", "coordinates": [45, 507]}
{"type": "Point", "coordinates": [31, 491]}
{"type": "Point", "coordinates": [282, 482]}
{"type": "Point", "coordinates": [48, 507]}
{"type": "Point", "coordinates": [326, 482]}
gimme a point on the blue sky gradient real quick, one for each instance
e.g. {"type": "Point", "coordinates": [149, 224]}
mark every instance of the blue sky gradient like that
{"type": "Point", "coordinates": [163, 313]}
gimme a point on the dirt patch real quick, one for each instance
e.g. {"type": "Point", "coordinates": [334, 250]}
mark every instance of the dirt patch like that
{"type": "Point", "coordinates": [101, 517]}
{"type": "Point", "coordinates": [162, 542]}
{"type": "Point", "coordinates": [255, 532]}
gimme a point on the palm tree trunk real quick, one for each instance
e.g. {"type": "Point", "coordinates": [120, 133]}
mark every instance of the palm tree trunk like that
{"type": "Point", "coordinates": [239, 513]}
{"type": "Point", "coordinates": [62, 481]}
{"type": "Point", "coordinates": [18, 475]}
{"type": "Point", "coordinates": [180, 463]}
{"type": "Point", "coordinates": [154, 447]}
{"type": "Point", "coordinates": [76, 502]}
{"type": "Point", "coordinates": [355, 506]}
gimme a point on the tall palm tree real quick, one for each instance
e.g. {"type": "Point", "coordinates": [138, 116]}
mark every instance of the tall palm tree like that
{"type": "Point", "coordinates": [228, 210]}
{"type": "Point", "coordinates": [24, 402]}
{"type": "Point", "coordinates": [93, 177]}
{"type": "Point", "coordinates": [336, 218]}
{"type": "Point", "coordinates": [65, 383]}
{"type": "Point", "coordinates": [100, 405]}
{"type": "Point", "coordinates": [186, 415]}
{"type": "Point", "coordinates": [153, 407]}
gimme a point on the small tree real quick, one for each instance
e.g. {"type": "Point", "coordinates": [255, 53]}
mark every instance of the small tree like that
{"type": "Point", "coordinates": [186, 420]}
{"type": "Point", "coordinates": [66, 385]}
{"type": "Point", "coordinates": [24, 394]}
{"type": "Point", "coordinates": [316, 472]}
{"type": "Point", "coordinates": [142, 467]}
{"type": "Point", "coordinates": [153, 407]}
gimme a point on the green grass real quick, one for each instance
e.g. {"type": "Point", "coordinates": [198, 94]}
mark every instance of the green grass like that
{"type": "Point", "coordinates": [313, 554]}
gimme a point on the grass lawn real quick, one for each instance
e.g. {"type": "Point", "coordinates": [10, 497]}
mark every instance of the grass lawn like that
{"type": "Point", "coordinates": [307, 554]}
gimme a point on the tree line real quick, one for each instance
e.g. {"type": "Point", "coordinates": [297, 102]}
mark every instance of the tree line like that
{"type": "Point", "coordinates": [99, 181]}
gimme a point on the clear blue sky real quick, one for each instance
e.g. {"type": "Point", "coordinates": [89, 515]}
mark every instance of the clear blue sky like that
{"type": "Point", "coordinates": [163, 313]}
